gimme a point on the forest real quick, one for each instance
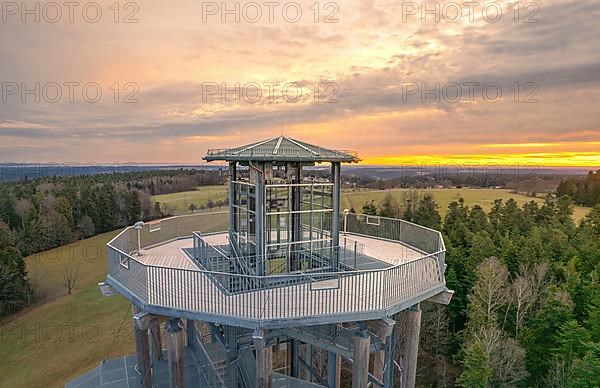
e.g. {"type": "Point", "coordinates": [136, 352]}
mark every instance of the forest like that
{"type": "Point", "coordinates": [45, 213]}
{"type": "Point", "coordinates": [526, 308]}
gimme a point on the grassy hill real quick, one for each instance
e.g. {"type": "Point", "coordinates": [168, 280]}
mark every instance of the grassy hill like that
{"type": "Point", "coordinates": [178, 203]}
{"type": "Point", "coordinates": [63, 336]}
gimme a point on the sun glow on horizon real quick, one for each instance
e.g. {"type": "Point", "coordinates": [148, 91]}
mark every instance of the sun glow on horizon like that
{"type": "Point", "coordinates": [563, 159]}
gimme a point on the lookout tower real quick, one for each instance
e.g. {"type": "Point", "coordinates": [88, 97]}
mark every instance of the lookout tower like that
{"type": "Point", "coordinates": [276, 211]}
{"type": "Point", "coordinates": [279, 291]}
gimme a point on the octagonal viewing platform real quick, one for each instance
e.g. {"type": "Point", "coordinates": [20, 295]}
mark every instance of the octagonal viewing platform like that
{"type": "Point", "coordinates": [186, 267]}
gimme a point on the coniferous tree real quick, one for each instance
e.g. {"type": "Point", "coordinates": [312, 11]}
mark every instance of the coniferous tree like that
{"type": "Point", "coordinates": [390, 207]}
{"type": "Point", "coordinates": [369, 208]}
{"type": "Point", "coordinates": [14, 287]}
{"type": "Point", "coordinates": [426, 213]}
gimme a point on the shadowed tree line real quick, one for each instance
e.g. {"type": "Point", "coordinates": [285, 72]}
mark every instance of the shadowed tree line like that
{"type": "Point", "coordinates": [526, 308]}
{"type": "Point", "coordinates": [41, 214]}
{"type": "Point", "coordinates": [585, 191]}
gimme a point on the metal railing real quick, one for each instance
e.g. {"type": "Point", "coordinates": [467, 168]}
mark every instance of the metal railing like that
{"type": "Point", "coordinates": [291, 296]}
{"type": "Point", "coordinates": [415, 236]}
{"type": "Point", "coordinates": [314, 261]}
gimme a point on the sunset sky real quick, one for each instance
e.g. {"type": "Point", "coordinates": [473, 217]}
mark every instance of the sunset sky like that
{"type": "Point", "coordinates": [371, 58]}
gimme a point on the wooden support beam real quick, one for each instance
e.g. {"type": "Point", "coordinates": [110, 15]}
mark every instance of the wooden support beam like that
{"type": "Point", "coordinates": [410, 330]}
{"type": "Point", "coordinates": [334, 369]}
{"type": "Point", "coordinates": [360, 361]}
{"type": "Point", "coordinates": [264, 360]}
{"type": "Point", "coordinates": [338, 368]}
{"type": "Point", "coordinates": [190, 331]}
{"type": "Point", "coordinates": [320, 342]}
{"type": "Point", "coordinates": [144, 320]}
{"type": "Point", "coordinates": [294, 354]}
{"type": "Point", "coordinates": [175, 343]}
{"type": "Point", "coordinates": [230, 342]}
{"type": "Point", "coordinates": [443, 297]}
{"type": "Point", "coordinates": [155, 339]}
{"type": "Point", "coordinates": [390, 367]}
{"type": "Point", "coordinates": [308, 358]}
{"type": "Point", "coordinates": [142, 351]}
{"type": "Point", "coordinates": [313, 372]}
{"type": "Point", "coordinates": [382, 328]}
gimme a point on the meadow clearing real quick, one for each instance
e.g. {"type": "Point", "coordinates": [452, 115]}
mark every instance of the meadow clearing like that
{"type": "Point", "coordinates": [178, 203]}
{"type": "Point", "coordinates": [62, 336]}
{"type": "Point", "coordinates": [481, 197]}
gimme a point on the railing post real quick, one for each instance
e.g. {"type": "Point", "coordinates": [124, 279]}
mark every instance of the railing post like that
{"type": "Point", "coordinates": [355, 248]}
{"type": "Point", "coordinates": [346, 211]}
{"type": "Point", "coordinates": [335, 222]}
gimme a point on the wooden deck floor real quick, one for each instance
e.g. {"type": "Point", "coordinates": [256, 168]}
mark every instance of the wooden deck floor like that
{"type": "Point", "coordinates": [174, 281]}
{"type": "Point", "coordinates": [172, 254]}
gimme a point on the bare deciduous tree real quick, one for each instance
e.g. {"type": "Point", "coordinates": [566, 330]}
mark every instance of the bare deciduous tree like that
{"type": "Point", "coordinates": [527, 290]}
{"type": "Point", "coordinates": [509, 363]}
{"type": "Point", "coordinates": [22, 208]}
{"type": "Point", "coordinates": [522, 291]}
{"type": "Point", "coordinates": [433, 361]}
{"type": "Point", "coordinates": [506, 357]}
{"type": "Point", "coordinates": [489, 292]}
{"type": "Point", "coordinates": [70, 273]}
{"type": "Point", "coordinates": [539, 281]}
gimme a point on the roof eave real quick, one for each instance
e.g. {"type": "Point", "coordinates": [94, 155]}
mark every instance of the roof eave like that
{"type": "Point", "coordinates": [275, 158]}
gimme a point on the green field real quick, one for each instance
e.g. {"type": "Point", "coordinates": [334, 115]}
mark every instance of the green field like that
{"type": "Point", "coordinates": [178, 203]}
{"type": "Point", "coordinates": [481, 197]}
{"type": "Point", "coordinates": [62, 336]}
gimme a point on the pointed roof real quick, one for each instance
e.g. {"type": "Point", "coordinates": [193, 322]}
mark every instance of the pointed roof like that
{"type": "Point", "coordinates": [281, 149]}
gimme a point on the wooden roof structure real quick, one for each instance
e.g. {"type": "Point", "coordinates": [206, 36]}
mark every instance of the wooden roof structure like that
{"type": "Point", "coordinates": [282, 149]}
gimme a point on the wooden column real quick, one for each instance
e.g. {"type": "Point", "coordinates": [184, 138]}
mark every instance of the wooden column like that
{"type": "Point", "coordinates": [334, 368]}
{"type": "Point", "coordinates": [360, 364]}
{"type": "Point", "coordinates": [308, 359]}
{"type": "Point", "coordinates": [294, 348]}
{"type": "Point", "coordinates": [383, 329]}
{"type": "Point", "coordinates": [175, 343]}
{"type": "Point", "coordinates": [155, 343]}
{"type": "Point", "coordinates": [231, 369]}
{"type": "Point", "coordinates": [410, 330]}
{"type": "Point", "coordinates": [390, 367]}
{"type": "Point", "coordinates": [264, 360]}
{"type": "Point", "coordinates": [190, 330]}
{"type": "Point", "coordinates": [142, 351]}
